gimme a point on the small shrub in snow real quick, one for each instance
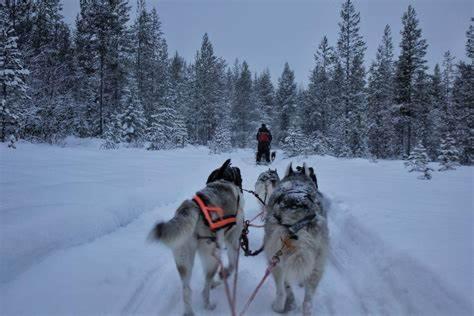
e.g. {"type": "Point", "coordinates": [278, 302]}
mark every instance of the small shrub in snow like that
{"type": "Point", "coordinates": [418, 161]}
{"type": "Point", "coordinates": [12, 141]}
{"type": "Point", "coordinates": [113, 134]}
{"type": "Point", "coordinates": [449, 155]}
{"type": "Point", "coordinates": [221, 142]}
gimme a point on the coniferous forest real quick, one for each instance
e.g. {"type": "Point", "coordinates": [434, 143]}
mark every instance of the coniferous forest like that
{"type": "Point", "coordinates": [112, 77]}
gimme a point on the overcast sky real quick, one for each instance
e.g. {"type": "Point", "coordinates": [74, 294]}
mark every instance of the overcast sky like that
{"type": "Point", "coordinates": [266, 33]}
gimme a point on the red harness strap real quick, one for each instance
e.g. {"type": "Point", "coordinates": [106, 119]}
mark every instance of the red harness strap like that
{"type": "Point", "coordinates": [214, 222]}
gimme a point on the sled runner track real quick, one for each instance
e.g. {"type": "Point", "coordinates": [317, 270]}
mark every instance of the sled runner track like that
{"type": "Point", "coordinates": [382, 280]}
{"type": "Point", "coordinates": [141, 292]}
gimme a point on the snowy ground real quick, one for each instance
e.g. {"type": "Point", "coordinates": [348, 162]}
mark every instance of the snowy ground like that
{"type": "Point", "coordinates": [73, 224]}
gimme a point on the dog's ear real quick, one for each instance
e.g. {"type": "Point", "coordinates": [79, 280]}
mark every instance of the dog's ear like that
{"type": "Point", "coordinates": [224, 166]}
{"type": "Point", "coordinates": [238, 178]}
{"type": "Point", "coordinates": [306, 170]}
{"type": "Point", "coordinates": [218, 173]}
{"type": "Point", "coordinates": [289, 170]}
{"type": "Point", "coordinates": [312, 175]}
{"type": "Point", "coordinates": [212, 177]}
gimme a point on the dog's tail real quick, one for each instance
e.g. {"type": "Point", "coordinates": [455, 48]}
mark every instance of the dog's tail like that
{"type": "Point", "coordinates": [179, 229]}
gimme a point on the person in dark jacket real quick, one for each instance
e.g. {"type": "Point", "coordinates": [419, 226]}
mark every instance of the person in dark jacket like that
{"type": "Point", "coordinates": [264, 138]}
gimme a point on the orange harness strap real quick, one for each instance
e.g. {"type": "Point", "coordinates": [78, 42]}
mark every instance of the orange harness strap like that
{"type": "Point", "coordinates": [207, 210]}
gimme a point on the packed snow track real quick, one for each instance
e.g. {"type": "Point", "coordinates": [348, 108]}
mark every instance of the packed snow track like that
{"type": "Point", "coordinates": [74, 222]}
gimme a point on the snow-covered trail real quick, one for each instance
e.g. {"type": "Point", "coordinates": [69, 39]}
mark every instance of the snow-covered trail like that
{"type": "Point", "coordinates": [112, 270]}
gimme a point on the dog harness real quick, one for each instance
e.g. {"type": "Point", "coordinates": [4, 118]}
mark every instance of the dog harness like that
{"type": "Point", "coordinates": [214, 215]}
{"type": "Point", "coordinates": [296, 227]}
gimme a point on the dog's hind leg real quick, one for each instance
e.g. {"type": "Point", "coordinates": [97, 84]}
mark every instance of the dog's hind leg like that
{"type": "Point", "coordinates": [184, 258]}
{"type": "Point", "coordinates": [310, 286]}
{"type": "Point", "coordinates": [279, 303]}
{"type": "Point", "coordinates": [290, 303]}
{"type": "Point", "coordinates": [210, 265]}
{"type": "Point", "coordinates": [232, 241]}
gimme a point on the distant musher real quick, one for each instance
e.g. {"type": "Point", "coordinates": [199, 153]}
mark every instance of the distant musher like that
{"type": "Point", "coordinates": [264, 138]}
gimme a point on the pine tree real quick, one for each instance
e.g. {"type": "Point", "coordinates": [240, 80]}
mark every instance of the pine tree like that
{"type": "Point", "coordinates": [350, 50]}
{"type": "Point", "coordinates": [243, 111]}
{"type": "Point", "coordinates": [12, 77]}
{"type": "Point", "coordinates": [316, 104]}
{"type": "Point", "coordinates": [145, 54]}
{"type": "Point", "coordinates": [418, 161]}
{"type": "Point", "coordinates": [381, 99]}
{"type": "Point", "coordinates": [103, 49]}
{"type": "Point", "coordinates": [285, 103]}
{"type": "Point", "coordinates": [449, 155]}
{"type": "Point", "coordinates": [410, 63]}
{"type": "Point", "coordinates": [463, 103]}
{"type": "Point", "coordinates": [265, 97]}
{"type": "Point", "coordinates": [160, 76]}
{"type": "Point", "coordinates": [207, 92]}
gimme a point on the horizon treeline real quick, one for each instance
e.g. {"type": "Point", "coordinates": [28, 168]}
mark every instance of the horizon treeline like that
{"type": "Point", "coordinates": [113, 78]}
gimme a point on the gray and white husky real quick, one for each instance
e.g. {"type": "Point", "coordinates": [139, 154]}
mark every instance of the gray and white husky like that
{"type": "Point", "coordinates": [188, 232]}
{"type": "Point", "coordinates": [266, 183]}
{"type": "Point", "coordinates": [295, 211]}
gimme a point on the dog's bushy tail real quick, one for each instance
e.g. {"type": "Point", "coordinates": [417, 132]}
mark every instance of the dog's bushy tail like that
{"type": "Point", "coordinates": [179, 229]}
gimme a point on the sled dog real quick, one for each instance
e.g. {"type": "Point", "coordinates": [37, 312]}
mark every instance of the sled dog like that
{"type": "Point", "coordinates": [295, 222]}
{"type": "Point", "coordinates": [266, 183]}
{"type": "Point", "coordinates": [189, 231]}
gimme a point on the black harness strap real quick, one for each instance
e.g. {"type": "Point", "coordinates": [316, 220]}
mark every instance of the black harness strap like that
{"type": "Point", "coordinates": [255, 194]}
{"type": "Point", "coordinates": [296, 227]}
{"type": "Point", "coordinates": [244, 242]}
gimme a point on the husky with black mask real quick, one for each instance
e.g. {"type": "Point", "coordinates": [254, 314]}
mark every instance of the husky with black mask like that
{"type": "Point", "coordinates": [295, 223]}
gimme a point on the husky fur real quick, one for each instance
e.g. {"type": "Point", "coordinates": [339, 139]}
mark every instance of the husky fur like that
{"type": "Point", "coordinates": [304, 259]}
{"type": "Point", "coordinates": [266, 183]}
{"type": "Point", "coordinates": [187, 232]}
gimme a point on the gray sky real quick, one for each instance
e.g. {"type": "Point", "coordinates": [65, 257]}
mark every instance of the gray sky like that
{"type": "Point", "coordinates": [266, 33]}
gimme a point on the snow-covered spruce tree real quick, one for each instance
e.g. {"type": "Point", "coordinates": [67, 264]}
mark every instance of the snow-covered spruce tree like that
{"type": "Point", "coordinates": [438, 103]}
{"type": "Point", "coordinates": [285, 101]}
{"type": "Point", "coordinates": [243, 110]}
{"type": "Point", "coordinates": [161, 84]}
{"type": "Point", "coordinates": [149, 51]}
{"type": "Point", "coordinates": [449, 155]}
{"type": "Point", "coordinates": [463, 101]}
{"type": "Point", "coordinates": [103, 41]}
{"type": "Point", "coordinates": [316, 105]}
{"type": "Point", "coordinates": [208, 82]}
{"type": "Point", "coordinates": [12, 78]}
{"type": "Point", "coordinates": [132, 118]}
{"type": "Point", "coordinates": [265, 97]}
{"type": "Point", "coordinates": [50, 61]}
{"type": "Point", "coordinates": [380, 99]}
{"type": "Point", "coordinates": [418, 161]}
{"type": "Point", "coordinates": [410, 62]}
{"type": "Point", "coordinates": [350, 50]}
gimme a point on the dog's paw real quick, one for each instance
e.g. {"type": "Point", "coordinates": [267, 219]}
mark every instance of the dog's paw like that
{"type": "Point", "coordinates": [307, 308]}
{"type": "Point", "coordinates": [210, 306]}
{"type": "Point", "coordinates": [225, 273]}
{"type": "Point", "coordinates": [215, 283]}
{"type": "Point", "coordinates": [278, 306]}
{"type": "Point", "coordinates": [290, 304]}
